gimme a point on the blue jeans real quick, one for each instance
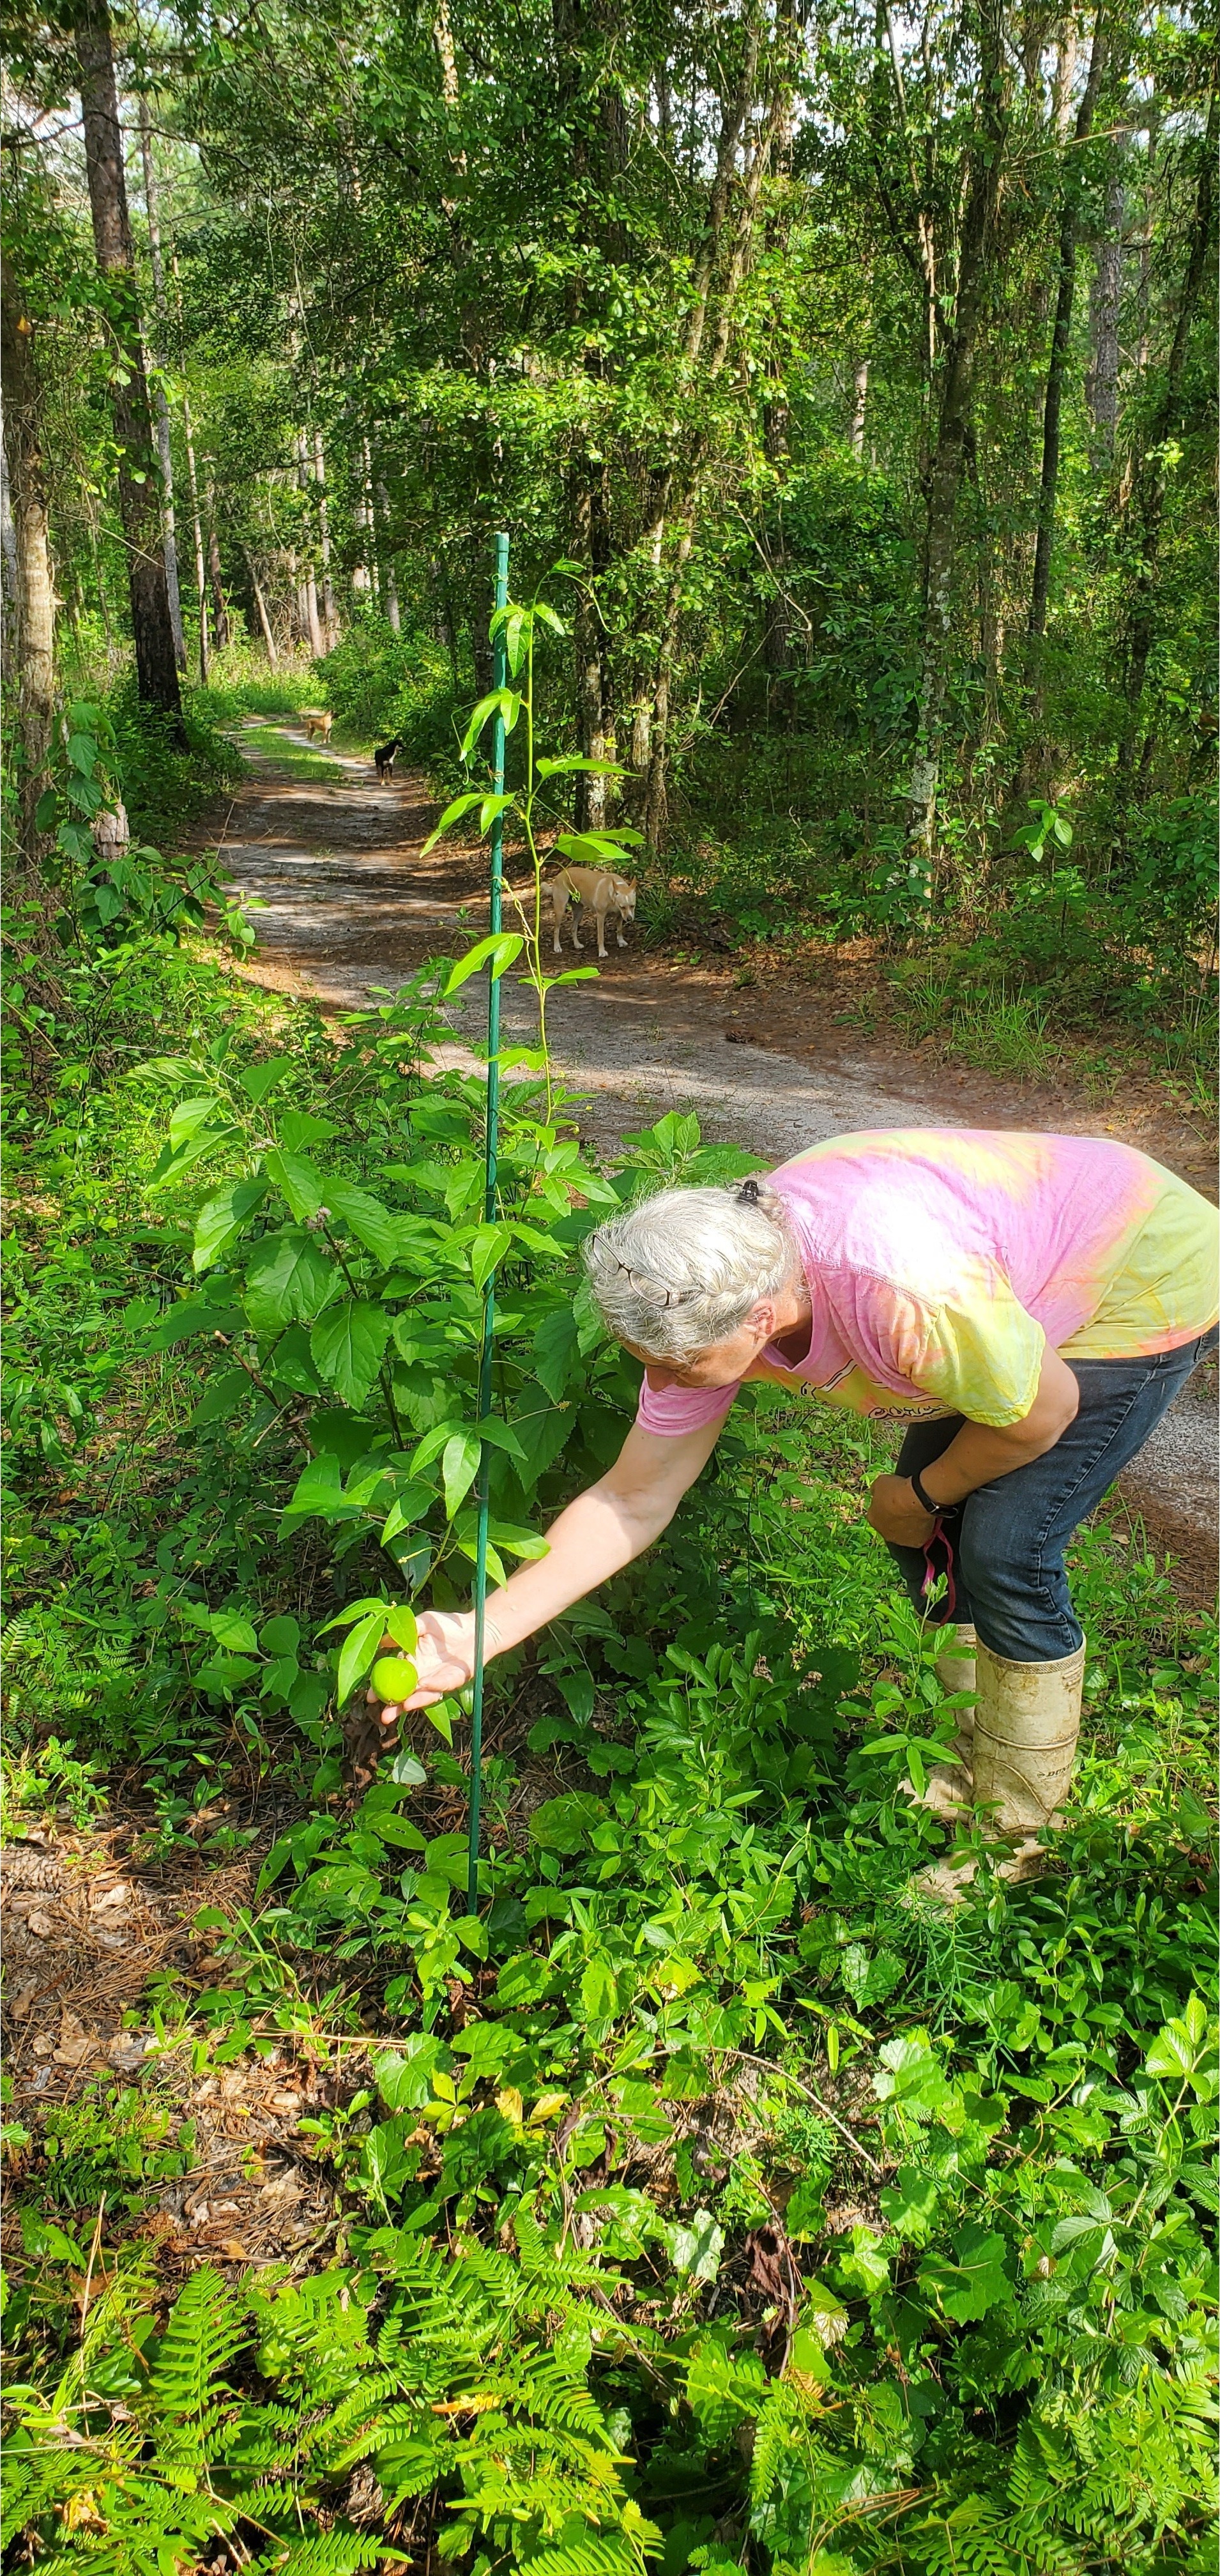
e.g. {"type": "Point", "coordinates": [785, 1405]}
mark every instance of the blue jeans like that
{"type": "Point", "coordinates": [1007, 1538]}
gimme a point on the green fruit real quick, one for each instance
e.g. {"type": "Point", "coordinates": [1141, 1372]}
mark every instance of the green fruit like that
{"type": "Point", "coordinates": [393, 1677]}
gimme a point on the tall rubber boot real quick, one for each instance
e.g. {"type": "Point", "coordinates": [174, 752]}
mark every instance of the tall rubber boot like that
{"type": "Point", "coordinates": [949, 1787]}
{"type": "Point", "coordinates": [1026, 1729]}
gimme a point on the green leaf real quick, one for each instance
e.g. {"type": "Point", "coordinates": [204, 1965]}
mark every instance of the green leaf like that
{"type": "Point", "coordinates": [298, 1128]}
{"type": "Point", "coordinates": [406, 1509]}
{"type": "Point", "coordinates": [909, 2207]}
{"type": "Point", "coordinates": [258, 1079]}
{"type": "Point", "coordinates": [599, 1991]}
{"type": "Point", "coordinates": [564, 1824]}
{"type": "Point", "coordinates": [598, 849]}
{"type": "Point", "coordinates": [502, 702]}
{"type": "Point", "coordinates": [234, 1633]}
{"type": "Point", "coordinates": [359, 1651]}
{"type": "Point", "coordinates": [319, 1491]}
{"type": "Point", "coordinates": [452, 814]}
{"type": "Point", "coordinates": [910, 2077]}
{"type": "Point", "coordinates": [806, 2358]}
{"type": "Point", "coordinates": [556, 1358]}
{"type": "Point", "coordinates": [222, 1396]}
{"type": "Point", "coordinates": [459, 1467]}
{"type": "Point", "coordinates": [353, 1610]}
{"type": "Point", "coordinates": [280, 1636]}
{"type": "Point", "coordinates": [189, 1116]}
{"type": "Point", "coordinates": [223, 1217]}
{"type": "Point", "coordinates": [366, 1218]}
{"type": "Point", "coordinates": [189, 1316]}
{"type": "Point", "coordinates": [577, 760]}
{"type": "Point", "coordinates": [396, 1830]}
{"type": "Point", "coordinates": [696, 2249]}
{"type": "Point", "coordinates": [973, 2284]}
{"type": "Point", "coordinates": [405, 2081]}
{"type": "Point", "coordinates": [173, 1162]}
{"type": "Point", "coordinates": [490, 807]}
{"type": "Point", "coordinates": [501, 948]}
{"type": "Point", "coordinates": [297, 1180]}
{"type": "Point", "coordinates": [487, 1252]}
{"type": "Point", "coordinates": [1178, 2051]}
{"type": "Point", "coordinates": [289, 1280]}
{"type": "Point", "coordinates": [347, 1346]}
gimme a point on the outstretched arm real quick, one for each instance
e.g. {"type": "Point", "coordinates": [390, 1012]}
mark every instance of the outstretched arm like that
{"type": "Point", "coordinates": [609, 1524]}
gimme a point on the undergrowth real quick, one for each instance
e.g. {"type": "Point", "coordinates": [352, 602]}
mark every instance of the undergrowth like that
{"type": "Point", "coordinates": [701, 2199]}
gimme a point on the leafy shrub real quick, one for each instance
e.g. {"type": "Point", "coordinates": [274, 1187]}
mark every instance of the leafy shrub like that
{"type": "Point", "coordinates": [163, 786]}
{"type": "Point", "coordinates": [381, 684]}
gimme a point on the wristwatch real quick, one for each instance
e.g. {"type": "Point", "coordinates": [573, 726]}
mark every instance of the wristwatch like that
{"type": "Point", "coordinates": [915, 1481]}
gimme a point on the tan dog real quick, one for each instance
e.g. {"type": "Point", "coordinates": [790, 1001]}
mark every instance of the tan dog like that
{"type": "Point", "coordinates": [593, 890]}
{"type": "Point", "coordinates": [318, 727]}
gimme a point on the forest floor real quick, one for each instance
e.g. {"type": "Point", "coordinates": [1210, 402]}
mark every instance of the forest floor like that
{"type": "Point", "coordinates": [350, 905]}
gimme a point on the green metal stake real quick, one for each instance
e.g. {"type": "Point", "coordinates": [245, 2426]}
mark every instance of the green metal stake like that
{"type": "Point", "coordinates": [499, 681]}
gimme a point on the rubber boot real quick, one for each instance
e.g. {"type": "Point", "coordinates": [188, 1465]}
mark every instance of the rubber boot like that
{"type": "Point", "coordinates": [1026, 1728]}
{"type": "Point", "coordinates": [949, 1786]}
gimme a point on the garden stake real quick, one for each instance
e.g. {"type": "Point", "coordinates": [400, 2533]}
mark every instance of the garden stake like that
{"type": "Point", "coordinates": [499, 679]}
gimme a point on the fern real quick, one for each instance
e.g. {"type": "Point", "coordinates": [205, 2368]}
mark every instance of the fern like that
{"type": "Point", "coordinates": [331, 2553]}
{"type": "Point", "coordinates": [206, 2328]}
{"type": "Point", "coordinates": [445, 2389]}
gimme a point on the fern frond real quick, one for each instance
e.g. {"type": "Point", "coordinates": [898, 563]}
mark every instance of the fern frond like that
{"type": "Point", "coordinates": [204, 2332]}
{"type": "Point", "coordinates": [331, 2553]}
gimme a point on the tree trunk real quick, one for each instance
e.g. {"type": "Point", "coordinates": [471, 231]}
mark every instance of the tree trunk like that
{"type": "Point", "coordinates": [859, 406]}
{"type": "Point", "coordinates": [138, 480]}
{"type": "Point", "coordinates": [948, 457]}
{"type": "Point", "coordinates": [169, 541]}
{"type": "Point", "coordinates": [192, 483]}
{"type": "Point", "coordinates": [1105, 308]}
{"type": "Point", "coordinates": [1151, 483]}
{"type": "Point", "coordinates": [35, 587]}
{"type": "Point", "coordinates": [392, 608]}
{"type": "Point", "coordinates": [330, 613]}
{"type": "Point", "coordinates": [261, 605]}
{"type": "Point", "coordinates": [197, 531]}
{"type": "Point", "coordinates": [220, 613]}
{"type": "Point", "coordinates": [721, 265]}
{"type": "Point", "coordinates": [307, 590]}
{"type": "Point", "coordinates": [9, 584]}
{"type": "Point", "coordinates": [591, 545]}
{"type": "Point", "coordinates": [1069, 225]}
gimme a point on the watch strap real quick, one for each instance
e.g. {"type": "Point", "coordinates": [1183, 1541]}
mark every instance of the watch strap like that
{"type": "Point", "coordinates": [917, 1487]}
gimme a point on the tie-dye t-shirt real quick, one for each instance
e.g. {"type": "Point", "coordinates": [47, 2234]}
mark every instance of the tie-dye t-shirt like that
{"type": "Point", "coordinates": [942, 1261]}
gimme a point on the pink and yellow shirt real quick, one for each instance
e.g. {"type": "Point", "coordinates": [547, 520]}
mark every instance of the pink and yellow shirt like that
{"type": "Point", "coordinates": [943, 1261]}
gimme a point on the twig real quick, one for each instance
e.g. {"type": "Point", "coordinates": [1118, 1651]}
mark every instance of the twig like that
{"type": "Point", "coordinates": [769, 2066]}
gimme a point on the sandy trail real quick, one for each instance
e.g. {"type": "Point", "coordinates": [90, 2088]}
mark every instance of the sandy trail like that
{"type": "Point", "coordinates": [352, 906]}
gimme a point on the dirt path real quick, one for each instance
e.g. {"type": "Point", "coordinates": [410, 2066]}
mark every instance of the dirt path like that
{"type": "Point", "coordinates": [351, 905]}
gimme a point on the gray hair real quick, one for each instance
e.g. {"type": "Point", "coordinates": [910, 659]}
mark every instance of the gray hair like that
{"type": "Point", "coordinates": [682, 1270]}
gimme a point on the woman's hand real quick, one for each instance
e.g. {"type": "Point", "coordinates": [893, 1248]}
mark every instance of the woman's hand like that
{"type": "Point", "coordinates": [896, 1513]}
{"type": "Point", "coordinates": [443, 1660]}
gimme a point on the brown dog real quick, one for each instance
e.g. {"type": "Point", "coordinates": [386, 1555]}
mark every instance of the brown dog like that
{"type": "Point", "coordinates": [318, 725]}
{"type": "Point", "coordinates": [598, 891]}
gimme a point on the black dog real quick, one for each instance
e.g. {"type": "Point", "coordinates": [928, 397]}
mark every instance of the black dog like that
{"type": "Point", "coordinates": [385, 757]}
